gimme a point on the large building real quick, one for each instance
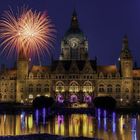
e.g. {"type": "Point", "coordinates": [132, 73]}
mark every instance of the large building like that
{"type": "Point", "coordinates": [74, 77]}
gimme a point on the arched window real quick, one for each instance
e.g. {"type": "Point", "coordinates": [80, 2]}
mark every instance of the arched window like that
{"type": "Point", "coordinates": [73, 87]}
{"type": "Point", "coordinates": [126, 90]}
{"type": "Point", "coordinates": [101, 75]}
{"type": "Point", "coordinates": [87, 87]}
{"type": "Point", "coordinates": [101, 88]}
{"type": "Point", "coordinates": [11, 96]}
{"type": "Point", "coordinates": [127, 97]}
{"type": "Point", "coordinates": [109, 75]}
{"type": "Point", "coordinates": [5, 96]}
{"type": "Point", "coordinates": [38, 88]}
{"type": "Point", "coordinates": [39, 75]}
{"type": "Point", "coordinates": [46, 88]}
{"type": "Point", "coordinates": [118, 88]}
{"type": "Point", "coordinates": [60, 87]}
{"type": "Point", "coordinates": [30, 89]}
{"type": "Point", "coordinates": [109, 88]}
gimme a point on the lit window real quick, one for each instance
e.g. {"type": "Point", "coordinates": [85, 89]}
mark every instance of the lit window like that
{"type": "Point", "coordinates": [30, 96]}
{"type": "Point", "coordinates": [60, 87]}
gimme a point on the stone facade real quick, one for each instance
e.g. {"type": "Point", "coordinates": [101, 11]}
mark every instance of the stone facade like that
{"type": "Point", "coordinates": [74, 77]}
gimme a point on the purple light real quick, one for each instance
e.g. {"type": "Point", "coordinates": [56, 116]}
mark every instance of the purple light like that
{"type": "Point", "coordinates": [87, 99]}
{"type": "Point", "coordinates": [60, 119]}
{"type": "Point", "coordinates": [60, 99]}
{"type": "Point", "coordinates": [73, 98]}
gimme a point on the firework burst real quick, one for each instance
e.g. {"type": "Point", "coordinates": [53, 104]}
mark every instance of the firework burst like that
{"type": "Point", "coordinates": [29, 31]}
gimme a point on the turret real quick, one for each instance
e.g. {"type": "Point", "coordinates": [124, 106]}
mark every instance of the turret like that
{"type": "Point", "coordinates": [126, 67]}
{"type": "Point", "coordinates": [22, 72]}
{"type": "Point", "coordinates": [22, 65]}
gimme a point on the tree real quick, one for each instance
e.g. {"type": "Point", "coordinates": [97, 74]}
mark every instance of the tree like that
{"type": "Point", "coordinates": [42, 101]}
{"type": "Point", "coordinates": [105, 102]}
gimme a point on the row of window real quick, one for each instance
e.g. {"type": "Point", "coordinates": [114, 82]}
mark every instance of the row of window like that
{"type": "Point", "coordinates": [38, 89]}
{"type": "Point", "coordinates": [6, 96]}
{"type": "Point", "coordinates": [31, 76]}
{"type": "Point", "coordinates": [110, 88]}
{"type": "Point", "coordinates": [6, 90]}
{"type": "Point", "coordinates": [101, 75]}
{"type": "Point", "coordinates": [10, 78]}
{"type": "Point", "coordinates": [77, 76]}
{"type": "Point", "coordinates": [136, 84]}
{"type": "Point", "coordinates": [6, 84]}
{"type": "Point", "coordinates": [73, 77]}
{"type": "Point", "coordinates": [136, 91]}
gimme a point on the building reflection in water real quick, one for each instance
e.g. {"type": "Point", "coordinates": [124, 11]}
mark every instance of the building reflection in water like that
{"type": "Point", "coordinates": [22, 118]}
{"type": "Point", "coordinates": [114, 122]}
{"type": "Point", "coordinates": [44, 115]}
{"type": "Point", "coordinates": [37, 116]}
{"type": "Point", "coordinates": [99, 117]}
{"type": "Point", "coordinates": [105, 119]}
{"type": "Point", "coordinates": [133, 128]}
{"type": "Point", "coordinates": [59, 125]}
{"type": "Point", "coordinates": [102, 126]}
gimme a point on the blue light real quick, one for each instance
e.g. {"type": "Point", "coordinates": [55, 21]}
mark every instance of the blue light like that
{"type": "Point", "coordinates": [36, 116]}
{"type": "Point", "coordinates": [105, 126]}
{"type": "Point", "coordinates": [44, 115]}
{"type": "Point", "coordinates": [22, 116]}
{"type": "Point", "coordinates": [99, 113]}
{"type": "Point", "coordinates": [99, 117]}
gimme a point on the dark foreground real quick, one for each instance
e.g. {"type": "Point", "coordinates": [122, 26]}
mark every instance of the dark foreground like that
{"type": "Point", "coordinates": [44, 137]}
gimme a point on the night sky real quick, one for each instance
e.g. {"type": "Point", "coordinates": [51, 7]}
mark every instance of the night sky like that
{"type": "Point", "coordinates": [104, 22]}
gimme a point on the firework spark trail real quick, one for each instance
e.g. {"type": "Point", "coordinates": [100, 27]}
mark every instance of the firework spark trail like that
{"type": "Point", "coordinates": [9, 28]}
{"type": "Point", "coordinates": [30, 31]}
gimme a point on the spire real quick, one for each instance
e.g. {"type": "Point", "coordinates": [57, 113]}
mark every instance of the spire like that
{"type": "Point", "coordinates": [125, 43]}
{"type": "Point", "coordinates": [125, 53]}
{"type": "Point", "coordinates": [74, 20]}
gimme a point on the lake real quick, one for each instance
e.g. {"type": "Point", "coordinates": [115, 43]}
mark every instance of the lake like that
{"type": "Point", "coordinates": [103, 124]}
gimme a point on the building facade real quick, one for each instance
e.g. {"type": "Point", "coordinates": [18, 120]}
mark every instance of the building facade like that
{"type": "Point", "coordinates": [74, 77]}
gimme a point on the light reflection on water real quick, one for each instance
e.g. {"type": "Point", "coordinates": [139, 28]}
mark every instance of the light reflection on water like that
{"type": "Point", "coordinates": [102, 125]}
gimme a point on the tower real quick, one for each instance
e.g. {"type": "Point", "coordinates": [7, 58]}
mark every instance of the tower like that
{"type": "Point", "coordinates": [74, 45]}
{"type": "Point", "coordinates": [126, 60]}
{"type": "Point", "coordinates": [22, 72]}
{"type": "Point", "coordinates": [126, 64]}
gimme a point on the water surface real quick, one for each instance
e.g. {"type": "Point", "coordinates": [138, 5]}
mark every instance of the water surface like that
{"type": "Point", "coordinates": [109, 126]}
